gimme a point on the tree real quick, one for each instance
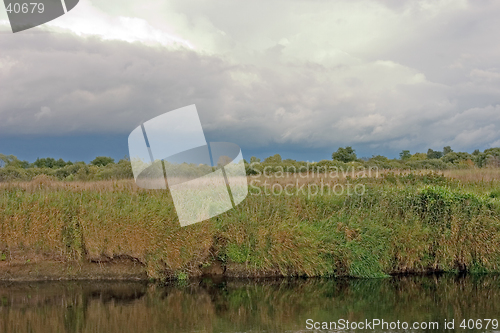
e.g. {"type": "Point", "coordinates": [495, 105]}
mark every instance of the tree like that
{"type": "Point", "coordinates": [11, 160]}
{"type": "Point", "coordinates": [480, 159]}
{"type": "Point", "coordinates": [102, 161]}
{"type": "Point", "coordinates": [48, 162]}
{"type": "Point", "coordinates": [345, 155]}
{"type": "Point", "coordinates": [418, 157]}
{"type": "Point", "coordinates": [39, 163]}
{"type": "Point", "coordinates": [455, 158]}
{"type": "Point", "coordinates": [276, 158]}
{"type": "Point", "coordinates": [434, 154]}
{"type": "Point", "coordinates": [404, 155]}
{"type": "Point", "coordinates": [492, 157]}
{"type": "Point", "coordinates": [379, 158]}
{"type": "Point", "coordinates": [493, 152]}
{"type": "Point", "coordinates": [447, 150]}
{"type": "Point", "coordinates": [254, 159]}
{"type": "Point", "coordinates": [60, 163]}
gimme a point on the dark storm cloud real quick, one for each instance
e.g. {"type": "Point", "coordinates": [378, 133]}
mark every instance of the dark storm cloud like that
{"type": "Point", "coordinates": [61, 83]}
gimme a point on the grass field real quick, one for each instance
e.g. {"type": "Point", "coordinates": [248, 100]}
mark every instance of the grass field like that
{"type": "Point", "coordinates": [401, 223]}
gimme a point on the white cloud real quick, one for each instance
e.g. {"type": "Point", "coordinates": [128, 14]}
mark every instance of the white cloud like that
{"type": "Point", "coordinates": [485, 75]}
{"type": "Point", "coordinates": [87, 20]}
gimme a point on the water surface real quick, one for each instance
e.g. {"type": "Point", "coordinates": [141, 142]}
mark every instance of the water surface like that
{"type": "Point", "coordinates": [269, 305]}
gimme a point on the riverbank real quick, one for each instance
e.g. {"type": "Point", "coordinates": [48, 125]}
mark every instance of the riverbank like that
{"type": "Point", "coordinates": [404, 223]}
{"type": "Point", "coordinates": [49, 270]}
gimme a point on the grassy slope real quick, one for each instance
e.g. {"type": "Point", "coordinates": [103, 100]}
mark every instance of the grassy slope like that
{"type": "Point", "coordinates": [403, 223]}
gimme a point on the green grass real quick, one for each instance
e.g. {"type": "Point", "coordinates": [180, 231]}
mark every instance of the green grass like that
{"type": "Point", "coordinates": [402, 224]}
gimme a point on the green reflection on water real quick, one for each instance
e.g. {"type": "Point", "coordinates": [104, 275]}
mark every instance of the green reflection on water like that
{"type": "Point", "coordinates": [268, 305]}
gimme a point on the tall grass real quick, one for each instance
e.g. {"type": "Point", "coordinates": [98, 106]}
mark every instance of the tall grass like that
{"type": "Point", "coordinates": [403, 223]}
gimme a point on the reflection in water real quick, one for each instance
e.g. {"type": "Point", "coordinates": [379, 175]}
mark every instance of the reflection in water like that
{"type": "Point", "coordinates": [242, 305]}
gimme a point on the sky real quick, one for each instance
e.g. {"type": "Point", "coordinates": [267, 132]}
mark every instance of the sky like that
{"type": "Point", "coordinates": [299, 78]}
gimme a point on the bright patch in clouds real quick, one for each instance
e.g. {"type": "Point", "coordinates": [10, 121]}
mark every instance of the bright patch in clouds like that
{"type": "Point", "coordinates": [85, 20]}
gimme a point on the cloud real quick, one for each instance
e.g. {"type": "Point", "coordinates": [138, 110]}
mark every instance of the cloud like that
{"type": "Point", "coordinates": [44, 112]}
{"type": "Point", "coordinates": [87, 20]}
{"type": "Point", "coordinates": [485, 75]}
{"type": "Point", "coordinates": [297, 73]}
{"type": "Point", "coordinates": [475, 127]}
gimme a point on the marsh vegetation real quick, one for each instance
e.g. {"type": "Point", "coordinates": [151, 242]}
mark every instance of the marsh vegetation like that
{"type": "Point", "coordinates": [405, 222]}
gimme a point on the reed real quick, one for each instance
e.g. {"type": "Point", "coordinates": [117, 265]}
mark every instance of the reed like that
{"type": "Point", "coordinates": [402, 223]}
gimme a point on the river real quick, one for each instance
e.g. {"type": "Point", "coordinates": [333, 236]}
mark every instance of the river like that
{"type": "Point", "coordinates": [249, 305]}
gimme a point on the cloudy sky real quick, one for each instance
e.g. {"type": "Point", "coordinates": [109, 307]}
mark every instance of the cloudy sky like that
{"type": "Point", "coordinates": [300, 78]}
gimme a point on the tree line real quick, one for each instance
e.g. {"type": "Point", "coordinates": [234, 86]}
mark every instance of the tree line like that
{"type": "Point", "coordinates": [103, 167]}
{"type": "Point", "coordinates": [100, 168]}
{"type": "Point", "coordinates": [489, 157]}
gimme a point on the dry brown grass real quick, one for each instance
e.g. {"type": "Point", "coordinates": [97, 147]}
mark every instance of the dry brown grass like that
{"type": "Point", "coordinates": [474, 174]}
{"type": "Point", "coordinates": [49, 183]}
{"type": "Point", "coordinates": [129, 185]}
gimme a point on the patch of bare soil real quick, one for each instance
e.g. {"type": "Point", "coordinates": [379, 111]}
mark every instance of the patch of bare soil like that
{"type": "Point", "coordinates": [46, 270]}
